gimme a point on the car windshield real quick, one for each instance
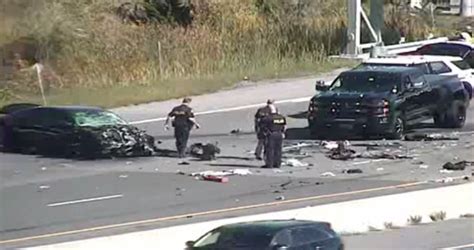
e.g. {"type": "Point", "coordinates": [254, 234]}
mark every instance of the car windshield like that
{"type": "Point", "coordinates": [445, 50]}
{"type": "Point", "coordinates": [230, 238]}
{"type": "Point", "coordinates": [96, 118]}
{"type": "Point", "coordinates": [365, 82]}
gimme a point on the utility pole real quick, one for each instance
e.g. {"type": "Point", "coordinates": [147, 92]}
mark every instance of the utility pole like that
{"type": "Point", "coordinates": [467, 8]}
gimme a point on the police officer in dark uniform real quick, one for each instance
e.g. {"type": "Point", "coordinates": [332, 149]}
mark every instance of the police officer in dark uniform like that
{"type": "Point", "coordinates": [183, 123]}
{"type": "Point", "coordinates": [274, 126]}
{"type": "Point", "coordinates": [261, 113]}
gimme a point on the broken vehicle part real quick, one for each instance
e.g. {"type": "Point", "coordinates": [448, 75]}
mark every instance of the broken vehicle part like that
{"type": "Point", "coordinates": [204, 152]}
{"type": "Point", "coordinates": [295, 163]}
{"type": "Point", "coordinates": [352, 171]}
{"type": "Point", "coordinates": [429, 137]}
{"type": "Point", "coordinates": [459, 166]}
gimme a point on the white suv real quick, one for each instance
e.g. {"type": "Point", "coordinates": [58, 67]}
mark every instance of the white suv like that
{"type": "Point", "coordinates": [438, 65]}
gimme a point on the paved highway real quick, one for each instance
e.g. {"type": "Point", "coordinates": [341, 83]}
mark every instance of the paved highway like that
{"type": "Point", "coordinates": [451, 234]}
{"type": "Point", "coordinates": [47, 200]}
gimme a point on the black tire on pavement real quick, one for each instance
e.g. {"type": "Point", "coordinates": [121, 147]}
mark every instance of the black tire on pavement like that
{"type": "Point", "coordinates": [440, 120]}
{"type": "Point", "coordinates": [398, 130]}
{"type": "Point", "coordinates": [456, 115]}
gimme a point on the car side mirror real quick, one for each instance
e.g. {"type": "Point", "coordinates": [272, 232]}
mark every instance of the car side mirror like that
{"type": "Point", "coordinates": [190, 243]}
{"type": "Point", "coordinates": [321, 86]}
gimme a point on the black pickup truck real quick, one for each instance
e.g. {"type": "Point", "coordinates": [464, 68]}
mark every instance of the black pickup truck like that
{"type": "Point", "coordinates": [384, 101]}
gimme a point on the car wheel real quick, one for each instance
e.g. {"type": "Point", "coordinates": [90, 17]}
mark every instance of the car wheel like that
{"type": "Point", "coordinates": [456, 115]}
{"type": "Point", "coordinates": [398, 128]}
{"type": "Point", "coordinates": [439, 120]}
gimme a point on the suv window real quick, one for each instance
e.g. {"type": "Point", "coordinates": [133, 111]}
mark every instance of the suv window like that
{"type": "Point", "coordinates": [462, 64]}
{"type": "Point", "coordinates": [439, 68]}
{"type": "Point", "coordinates": [307, 235]}
{"type": "Point", "coordinates": [283, 238]}
{"type": "Point", "coordinates": [423, 67]}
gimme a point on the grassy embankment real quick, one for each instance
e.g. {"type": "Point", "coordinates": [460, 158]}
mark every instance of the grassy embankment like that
{"type": "Point", "coordinates": [92, 58]}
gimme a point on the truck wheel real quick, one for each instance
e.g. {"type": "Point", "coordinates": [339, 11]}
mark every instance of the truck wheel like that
{"type": "Point", "coordinates": [456, 115]}
{"type": "Point", "coordinates": [440, 120]}
{"type": "Point", "coordinates": [398, 129]}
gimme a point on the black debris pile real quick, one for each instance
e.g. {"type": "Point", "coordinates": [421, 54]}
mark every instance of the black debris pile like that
{"type": "Point", "coordinates": [236, 131]}
{"type": "Point", "coordinates": [204, 152]}
{"type": "Point", "coordinates": [429, 137]}
{"type": "Point", "coordinates": [120, 141]}
{"type": "Point", "coordinates": [341, 152]}
{"type": "Point", "coordinates": [458, 166]}
{"type": "Point", "coordinates": [352, 171]}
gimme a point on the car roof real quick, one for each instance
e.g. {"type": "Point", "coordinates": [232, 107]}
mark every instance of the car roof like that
{"type": "Point", "coordinates": [71, 108]}
{"type": "Point", "coordinates": [411, 59]}
{"type": "Point", "coordinates": [467, 44]}
{"type": "Point", "coordinates": [272, 225]}
{"type": "Point", "coordinates": [387, 69]}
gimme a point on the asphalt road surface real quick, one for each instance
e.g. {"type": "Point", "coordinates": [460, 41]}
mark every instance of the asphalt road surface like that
{"type": "Point", "coordinates": [451, 234]}
{"type": "Point", "coordinates": [46, 200]}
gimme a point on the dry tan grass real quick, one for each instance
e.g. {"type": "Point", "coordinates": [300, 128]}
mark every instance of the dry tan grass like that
{"type": "Point", "coordinates": [87, 46]}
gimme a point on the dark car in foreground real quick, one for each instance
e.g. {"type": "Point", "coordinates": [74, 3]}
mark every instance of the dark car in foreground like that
{"type": "Point", "coordinates": [270, 235]}
{"type": "Point", "coordinates": [383, 101]}
{"type": "Point", "coordinates": [70, 131]}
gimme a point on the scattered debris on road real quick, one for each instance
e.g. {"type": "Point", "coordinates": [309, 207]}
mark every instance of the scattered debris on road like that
{"type": "Point", "coordinates": [235, 131]}
{"type": "Point", "coordinates": [380, 169]}
{"type": "Point", "coordinates": [204, 152]}
{"type": "Point", "coordinates": [352, 171]}
{"type": "Point", "coordinates": [221, 179]}
{"type": "Point", "coordinates": [296, 163]}
{"type": "Point", "coordinates": [280, 198]}
{"type": "Point", "coordinates": [123, 176]}
{"type": "Point", "coordinates": [341, 152]}
{"type": "Point", "coordinates": [379, 145]}
{"type": "Point", "coordinates": [43, 188]}
{"type": "Point", "coordinates": [445, 171]}
{"type": "Point", "coordinates": [184, 163]}
{"type": "Point", "coordinates": [423, 166]}
{"type": "Point", "coordinates": [429, 137]}
{"type": "Point", "coordinates": [459, 166]}
{"type": "Point", "coordinates": [328, 174]}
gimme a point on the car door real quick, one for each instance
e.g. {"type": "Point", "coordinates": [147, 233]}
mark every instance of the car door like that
{"type": "Point", "coordinates": [419, 97]}
{"type": "Point", "coordinates": [38, 128]}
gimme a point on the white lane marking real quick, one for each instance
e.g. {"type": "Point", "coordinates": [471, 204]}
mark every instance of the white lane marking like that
{"type": "Point", "coordinates": [295, 100]}
{"type": "Point", "coordinates": [85, 200]}
{"type": "Point", "coordinates": [458, 247]}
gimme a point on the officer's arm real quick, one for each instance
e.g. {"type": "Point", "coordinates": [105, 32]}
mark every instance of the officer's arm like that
{"type": "Point", "coordinates": [193, 119]}
{"type": "Point", "coordinates": [168, 118]}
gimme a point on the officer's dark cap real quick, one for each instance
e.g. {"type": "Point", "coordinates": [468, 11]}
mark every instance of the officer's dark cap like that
{"type": "Point", "coordinates": [270, 101]}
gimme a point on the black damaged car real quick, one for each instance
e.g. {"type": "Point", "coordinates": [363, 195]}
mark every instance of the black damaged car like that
{"type": "Point", "coordinates": [70, 131]}
{"type": "Point", "coordinates": [385, 101]}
